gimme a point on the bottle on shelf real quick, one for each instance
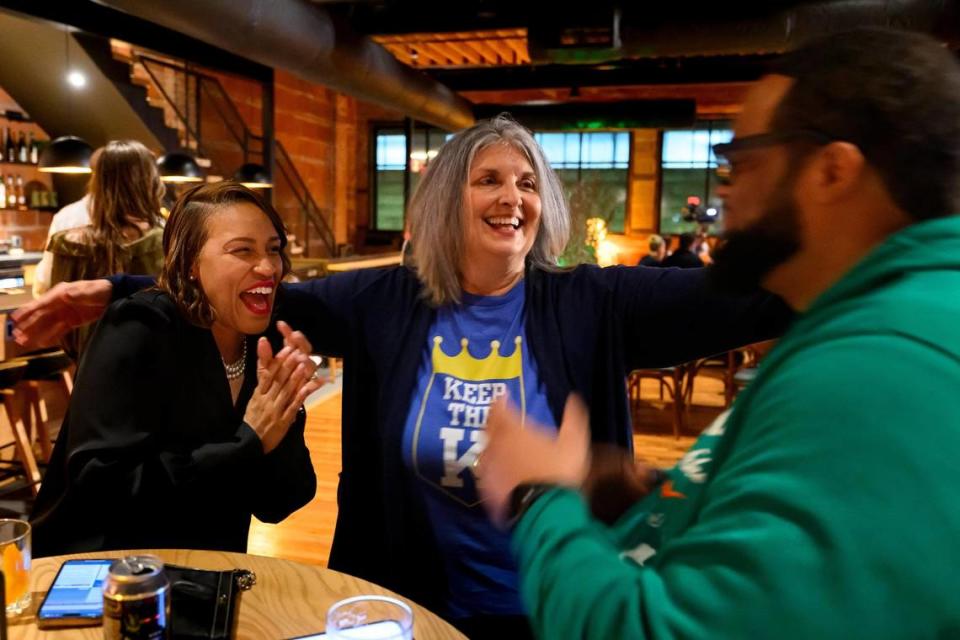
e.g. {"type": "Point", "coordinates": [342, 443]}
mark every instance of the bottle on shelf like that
{"type": "Point", "coordinates": [11, 194]}
{"type": "Point", "coordinates": [21, 193]}
{"type": "Point", "coordinates": [23, 152]}
{"type": "Point", "coordinates": [34, 150]}
{"type": "Point", "coordinates": [3, 146]}
{"type": "Point", "coordinates": [3, 193]}
{"type": "Point", "coordinates": [11, 151]}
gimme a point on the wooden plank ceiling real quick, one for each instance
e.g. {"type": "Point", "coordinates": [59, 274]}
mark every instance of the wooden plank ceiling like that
{"type": "Point", "coordinates": [501, 47]}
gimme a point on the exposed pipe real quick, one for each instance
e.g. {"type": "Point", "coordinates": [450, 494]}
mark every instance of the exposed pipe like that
{"type": "Point", "coordinates": [305, 40]}
{"type": "Point", "coordinates": [645, 34]}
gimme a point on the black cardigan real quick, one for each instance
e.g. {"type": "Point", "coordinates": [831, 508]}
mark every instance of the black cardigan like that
{"type": "Point", "coordinates": [587, 328]}
{"type": "Point", "coordinates": [153, 454]}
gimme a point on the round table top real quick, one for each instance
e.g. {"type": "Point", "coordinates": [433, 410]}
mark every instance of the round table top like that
{"type": "Point", "coordinates": [289, 600]}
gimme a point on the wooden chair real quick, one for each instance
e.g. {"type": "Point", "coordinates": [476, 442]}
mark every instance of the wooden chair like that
{"type": "Point", "coordinates": [728, 367]}
{"type": "Point", "coordinates": [719, 366]}
{"type": "Point", "coordinates": [669, 378]}
{"type": "Point", "coordinates": [50, 368]}
{"type": "Point", "coordinates": [10, 374]}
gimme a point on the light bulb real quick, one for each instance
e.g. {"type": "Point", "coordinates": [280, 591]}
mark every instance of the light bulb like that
{"type": "Point", "coordinates": [76, 80]}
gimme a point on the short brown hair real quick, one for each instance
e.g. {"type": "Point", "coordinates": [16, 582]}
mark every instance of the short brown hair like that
{"type": "Point", "coordinates": [186, 233]}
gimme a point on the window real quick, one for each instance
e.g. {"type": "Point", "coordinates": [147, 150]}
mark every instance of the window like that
{"type": "Point", "coordinates": [391, 162]}
{"type": "Point", "coordinates": [390, 166]}
{"type": "Point", "coordinates": [591, 165]}
{"type": "Point", "coordinates": [687, 170]}
{"type": "Point", "coordinates": [593, 169]}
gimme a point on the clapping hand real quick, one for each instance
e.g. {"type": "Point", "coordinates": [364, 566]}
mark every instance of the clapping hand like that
{"type": "Point", "coordinates": [284, 381]}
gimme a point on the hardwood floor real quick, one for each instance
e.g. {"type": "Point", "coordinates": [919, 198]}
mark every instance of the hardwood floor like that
{"type": "Point", "coordinates": [306, 535]}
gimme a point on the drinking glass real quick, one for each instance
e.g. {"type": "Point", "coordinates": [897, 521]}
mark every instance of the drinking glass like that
{"type": "Point", "coordinates": [370, 618]}
{"type": "Point", "coordinates": [15, 549]}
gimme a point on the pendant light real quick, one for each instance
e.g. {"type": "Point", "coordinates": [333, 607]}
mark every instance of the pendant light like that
{"type": "Point", "coordinates": [253, 176]}
{"type": "Point", "coordinates": [66, 154]}
{"type": "Point", "coordinates": [180, 166]}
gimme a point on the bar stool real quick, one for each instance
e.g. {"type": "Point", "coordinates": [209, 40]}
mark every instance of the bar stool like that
{"type": "Point", "coordinates": [10, 374]}
{"type": "Point", "coordinates": [52, 367]}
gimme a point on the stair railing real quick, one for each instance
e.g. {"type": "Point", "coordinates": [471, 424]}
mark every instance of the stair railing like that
{"type": "Point", "coordinates": [210, 92]}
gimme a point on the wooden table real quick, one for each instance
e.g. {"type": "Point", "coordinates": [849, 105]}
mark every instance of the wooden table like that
{"type": "Point", "coordinates": [290, 599]}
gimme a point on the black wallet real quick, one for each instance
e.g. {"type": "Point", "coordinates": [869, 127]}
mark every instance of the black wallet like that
{"type": "Point", "coordinates": [205, 604]}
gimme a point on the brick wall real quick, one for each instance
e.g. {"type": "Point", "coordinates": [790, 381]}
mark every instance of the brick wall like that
{"type": "Point", "coordinates": [345, 170]}
{"type": "Point", "coordinates": [326, 135]}
{"type": "Point", "coordinates": [304, 123]}
{"type": "Point", "coordinates": [245, 94]}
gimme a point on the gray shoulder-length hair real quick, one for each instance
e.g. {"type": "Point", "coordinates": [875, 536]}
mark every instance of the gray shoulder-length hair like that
{"type": "Point", "coordinates": [437, 205]}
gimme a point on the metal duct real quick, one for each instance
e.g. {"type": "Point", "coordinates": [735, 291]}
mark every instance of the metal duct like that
{"type": "Point", "coordinates": [305, 40]}
{"type": "Point", "coordinates": [647, 34]}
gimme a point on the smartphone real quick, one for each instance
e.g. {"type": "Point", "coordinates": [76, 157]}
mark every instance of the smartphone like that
{"type": "Point", "coordinates": [372, 631]}
{"type": "Point", "coordinates": [76, 597]}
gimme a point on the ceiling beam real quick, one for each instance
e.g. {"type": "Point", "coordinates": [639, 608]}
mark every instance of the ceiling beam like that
{"type": "Point", "coordinates": [671, 71]}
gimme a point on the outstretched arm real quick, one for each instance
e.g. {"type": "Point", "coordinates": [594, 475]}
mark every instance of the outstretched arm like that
{"type": "Point", "coordinates": [66, 306]}
{"type": "Point", "coordinates": [687, 316]}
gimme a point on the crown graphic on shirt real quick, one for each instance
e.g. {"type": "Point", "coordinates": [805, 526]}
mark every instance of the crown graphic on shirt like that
{"type": "Point", "coordinates": [466, 367]}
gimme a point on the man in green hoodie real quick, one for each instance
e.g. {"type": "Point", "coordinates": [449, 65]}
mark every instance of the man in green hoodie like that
{"type": "Point", "coordinates": [827, 504]}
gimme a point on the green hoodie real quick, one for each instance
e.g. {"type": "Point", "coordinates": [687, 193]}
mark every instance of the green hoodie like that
{"type": "Point", "coordinates": [826, 505]}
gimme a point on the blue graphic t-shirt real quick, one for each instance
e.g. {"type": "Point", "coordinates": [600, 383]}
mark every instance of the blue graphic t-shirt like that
{"type": "Point", "coordinates": [476, 352]}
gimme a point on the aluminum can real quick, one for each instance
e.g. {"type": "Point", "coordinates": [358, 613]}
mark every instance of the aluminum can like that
{"type": "Point", "coordinates": [136, 600]}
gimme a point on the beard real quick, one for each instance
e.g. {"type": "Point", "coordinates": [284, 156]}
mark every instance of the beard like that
{"type": "Point", "coordinates": [749, 254]}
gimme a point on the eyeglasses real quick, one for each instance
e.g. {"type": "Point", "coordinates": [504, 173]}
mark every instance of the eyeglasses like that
{"type": "Point", "coordinates": [724, 150]}
{"type": "Point", "coordinates": [760, 140]}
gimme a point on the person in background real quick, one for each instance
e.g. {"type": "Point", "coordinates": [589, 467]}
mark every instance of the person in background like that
{"type": "Point", "coordinates": [684, 257]}
{"type": "Point", "coordinates": [825, 505]}
{"type": "Point", "coordinates": [482, 312]}
{"type": "Point", "coordinates": [701, 248]}
{"type": "Point", "coordinates": [76, 214]}
{"type": "Point", "coordinates": [658, 250]}
{"type": "Point", "coordinates": [174, 436]}
{"type": "Point", "coordinates": [125, 230]}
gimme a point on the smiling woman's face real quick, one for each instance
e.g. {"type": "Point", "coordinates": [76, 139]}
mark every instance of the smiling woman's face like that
{"type": "Point", "coordinates": [502, 213]}
{"type": "Point", "coordinates": [239, 267]}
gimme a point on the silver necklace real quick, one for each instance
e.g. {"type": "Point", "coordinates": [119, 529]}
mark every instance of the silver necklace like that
{"type": "Point", "coordinates": [236, 369]}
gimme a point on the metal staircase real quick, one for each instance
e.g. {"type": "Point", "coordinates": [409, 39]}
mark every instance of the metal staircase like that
{"type": "Point", "coordinates": [188, 109]}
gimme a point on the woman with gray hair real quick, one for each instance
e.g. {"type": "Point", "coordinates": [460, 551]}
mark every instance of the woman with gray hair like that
{"type": "Point", "coordinates": [484, 312]}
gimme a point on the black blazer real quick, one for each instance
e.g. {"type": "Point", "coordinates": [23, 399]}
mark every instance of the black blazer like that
{"type": "Point", "coordinates": [153, 454]}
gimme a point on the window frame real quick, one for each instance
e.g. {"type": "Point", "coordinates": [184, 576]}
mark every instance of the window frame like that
{"type": "Point", "coordinates": [710, 180]}
{"type": "Point", "coordinates": [581, 164]}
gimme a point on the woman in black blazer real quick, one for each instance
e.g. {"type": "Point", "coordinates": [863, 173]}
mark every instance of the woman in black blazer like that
{"type": "Point", "coordinates": [175, 436]}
